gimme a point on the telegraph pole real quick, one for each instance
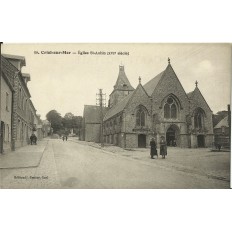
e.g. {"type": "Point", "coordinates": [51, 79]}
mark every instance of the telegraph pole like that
{"type": "Point", "coordinates": [101, 99]}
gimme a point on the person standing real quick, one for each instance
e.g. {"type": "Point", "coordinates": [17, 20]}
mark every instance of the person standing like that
{"type": "Point", "coordinates": [153, 151]}
{"type": "Point", "coordinates": [163, 148]}
{"type": "Point", "coordinates": [66, 137]}
{"type": "Point", "coordinates": [35, 139]}
{"type": "Point", "coordinates": [31, 138]}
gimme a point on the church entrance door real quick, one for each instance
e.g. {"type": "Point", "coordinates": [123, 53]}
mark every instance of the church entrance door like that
{"type": "Point", "coordinates": [172, 136]}
{"type": "Point", "coordinates": [201, 141]}
{"type": "Point", "coordinates": [141, 140]}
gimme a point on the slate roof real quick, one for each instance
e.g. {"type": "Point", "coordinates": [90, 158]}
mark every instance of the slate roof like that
{"type": "Point", "coordinates": [92, 114]}
{"type": "Point", "coordinates": [118, 107]}
{"type": "Point", "coordinates": [223, 122]}
{"type": "Point", "coordinates": [122, 82]}
{"type": "Point", "coordinates": [151, 85]}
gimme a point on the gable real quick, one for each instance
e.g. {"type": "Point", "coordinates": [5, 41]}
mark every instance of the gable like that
{"type": "Point", "coordinates": [197, 100]}
{"type": "Point", "coordinates": [169, 84]}
{"type": "Point", "coordinates": [139, 97]}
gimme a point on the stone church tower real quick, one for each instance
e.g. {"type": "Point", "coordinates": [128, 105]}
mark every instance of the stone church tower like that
{"type": "Point", "coordinates": [121, 89]}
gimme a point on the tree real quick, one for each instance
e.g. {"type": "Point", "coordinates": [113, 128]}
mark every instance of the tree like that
{"type": "Point", "coordinates": [77, 124]}
{"type": "Point", "coordinates": [55, 119]}
{"type": "Point", "coordinates": [68, 120]}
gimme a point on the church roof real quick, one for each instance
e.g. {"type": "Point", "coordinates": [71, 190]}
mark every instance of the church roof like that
{"type": "Point", "coordinates": [223, 122]}
{"type": "Point", "coordinates": [92, 114]}
{"type": "Point", "coordinates": [118, 107]}
{"type": "Point", "coordinates": [151, 85]}
{"type": "Point", "coordinates": [122, 82]}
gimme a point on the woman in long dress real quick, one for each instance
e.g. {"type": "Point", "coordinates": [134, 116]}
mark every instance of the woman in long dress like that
{"type": "Point", "coordinates": [163, 148]}
{"type": "Point", "coordinates": [153, 148]}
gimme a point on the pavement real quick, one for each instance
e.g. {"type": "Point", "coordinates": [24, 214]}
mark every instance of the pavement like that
{"type": "Point", "coordinates": [35, 168]}
{"type": "Point", "coordinates": [24, 157]}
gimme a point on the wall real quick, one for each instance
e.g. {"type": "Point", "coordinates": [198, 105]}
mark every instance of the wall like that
{"type": "Point", "coordinates": [6, 114]}
{"type": "Point", "coordinates": [92, 132]}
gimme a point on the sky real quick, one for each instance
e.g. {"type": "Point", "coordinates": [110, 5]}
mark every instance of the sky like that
{"type": "Point", "coordinates": [67, 82]}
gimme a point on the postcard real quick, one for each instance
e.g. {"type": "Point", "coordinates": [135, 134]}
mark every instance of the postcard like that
{"type": "Point", "coordinates": [115, 116]}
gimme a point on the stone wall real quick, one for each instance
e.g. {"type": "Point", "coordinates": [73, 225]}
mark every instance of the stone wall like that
{"type": "Point", "coordinates": [92, 132]}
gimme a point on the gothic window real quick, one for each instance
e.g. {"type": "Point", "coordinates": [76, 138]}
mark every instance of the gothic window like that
{"type": "Point", "coordinates": [170, 109]}
{"type": "Point", "coordinates": [198, 119]}
{"type": "Point", "coordinates": [140, 118]}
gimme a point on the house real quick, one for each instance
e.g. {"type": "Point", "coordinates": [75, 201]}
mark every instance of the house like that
{"type": "Point", "coordinates": [222, 133]}
{"type": "Point", "coordinates": [20, 119]}
{"type": "Point", "coordinates": [6, 94]}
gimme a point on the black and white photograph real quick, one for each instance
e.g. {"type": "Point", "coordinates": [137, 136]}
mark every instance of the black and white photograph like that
{"type": "Point", "coordinates": [115, 116]}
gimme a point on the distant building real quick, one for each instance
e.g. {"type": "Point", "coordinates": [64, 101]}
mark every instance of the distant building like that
{"type": "Point", "coordinates": [46, 128]}
{"type": "Point", "coordinates": [92, 123]}
{"type": "Point", "coordinates": [222, 132]}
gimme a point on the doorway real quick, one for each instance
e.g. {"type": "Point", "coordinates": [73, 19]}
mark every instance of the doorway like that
{"type": "Point", "coordinates": [201, 141]}
{"type": "Point", "coordinates": [172, 136]}
{"type": "Point", "coordinates": [142, 141]}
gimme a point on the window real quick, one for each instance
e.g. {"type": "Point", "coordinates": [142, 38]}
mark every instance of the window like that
{"type": "Point", "coordinates": [170, 109]}
{"type": "Point", "coordinates": [140, 117]}
{"type": "Point", "coordinates": [7, 101]}
{"type": "Point", "coordinates": [198, 119]}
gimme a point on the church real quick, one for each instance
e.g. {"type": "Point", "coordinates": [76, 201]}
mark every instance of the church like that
{"type": "Point", "coordinates": [159, 108]}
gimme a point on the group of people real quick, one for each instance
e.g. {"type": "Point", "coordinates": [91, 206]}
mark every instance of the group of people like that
{"type": "Point", "coordinates": [65, 137]}
{"type": "Point", "coordinates": [163, 148]}
{"type": "Point", "coordinates": [33, 139]}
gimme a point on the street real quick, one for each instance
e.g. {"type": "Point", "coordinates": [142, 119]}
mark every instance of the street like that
{"type": "Point", "coordinates": [77, 165]}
